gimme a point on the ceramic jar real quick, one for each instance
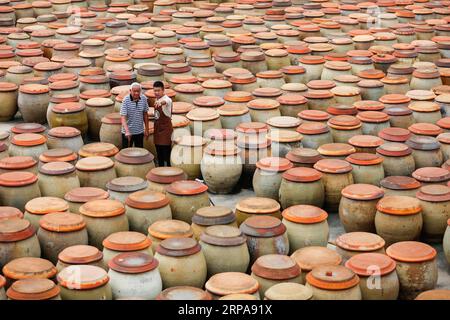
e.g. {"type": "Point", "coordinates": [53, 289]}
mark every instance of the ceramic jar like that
{"type": "Point", "coordinates": [96, 109]}
{"type": "Point", "coordinates": [8, 94]}
{"type": "Point", "coordinates": [19, 163]}
{"type": "Point", "coordinates": [91, 283]}
{"type": "Point", "coordinates": [181, 263]}
{"type": "Point", "coordinates": [33, 101]}
{"type": "Point", "coordinates": [18, 239]}
{"type": "Point", "coordinates": [60, 230]}
{"type": "Point", "coordinates": [400, 186]}
{"type": "Point", "coordinates": [145, 207]}
{"type": "Point", "coordinates": [367, 168]}
{"type": "Point", "coordinates": [265, 235]}
{"type": "Point", "coordinates": [231, 115]}
{"type": "Point", "coordinates": [57, 178]}
{"type": "Point", "coordinates": [262, 110]}
{"type": "Point", "coordinates": [378, 276]}
{"type": "Point", "coordinates": [314, 134]}
{"type": "Point", "coordinates": [319, 100]}
{"type": "Point", "coordinates": [232, 283]}
{"type": "Point", "coordinates": [313, 66]}
{"type": "Point", "coordinates": [365, 143]}
{"type": "Point", "coordinates": [211, 216]}
{"type": "Point", "coordinates": [373, 122]}
{"type": "Point", "coordinates": [329, 282]}
{"type": "Point", "coordinates": [28, 144]}
{"type": "Point", "coordinates": [7, 213]}
{"type": "Point", "coordinates": [425, 111]}
{"type": "Point", "coordinates": [446, 242]}
{"type": "Point", "coordinates": [397, 159]}
{"type": "Point", "coordinates": [28, 268]}
{"type": "Point", "coordinates": [95, 171]}
{"type": "Point", "coordinates": [33, 289]}
{"type": "Point", "coordinates": [125, 242]}
{"type": "Point", "coordinates": [291, 104]}
{"type": "Point", "coordinates": [294, 184]}
{"type": "Point", "coordinates": [336, 175]}
{"type": "Point", "coordinates": [395, 213]}
{"type": "Point", "coordinates": [17, 188]}
{"type": "Point", "coordinates": [426, 151]}
{"type": "Point", "coordinates": [414, 258]}
{"type": "Point", "coordinates": [344, 127]}
{"type": "Point", "coordinates": [272, 269]}
{"type": "Point", "coordinates": [80, 254]}
{"type": "Point", "coordinates": [110, 129]}
{"type": "Point", "coordinates": [187, 153]}
{"type": "Point", "coordinates": [357, 207]}
{"type": "Point", "coordinates": [225, 249]}
{"type": "Point", "coordinates": [256, 206]}
{"type": "Point", "coordinates": [133, 162]}
{"type": "Point", "coordinates": [161, 177]}
{"type": "Point", "coordinates": [268, 175]}
{"type": "Point", "coordinates": [202, 120]}
{"type": "Point", "coordinates": [78, 196]}
{"type": "Point", "coordinates": [431, 175]}
{"type": "Point", "coordinates": [282, 141]}
{"type": "Point", "coordinates": [355, 243]}
{"type": "Point", "coordinates": [70, 114]}
{"type": "Point", "coordinates": [434, 200]}
{"type": "Point", "coordinates": [65, 137]}
{"type": "Point", "coordinates": [103, 217]}
{"type": "Point", "coordinates": [121, 188]}
{"type": "Point", "coordinates": [306, 226]}
{"type": "Point", "coordinates": [134, 275]}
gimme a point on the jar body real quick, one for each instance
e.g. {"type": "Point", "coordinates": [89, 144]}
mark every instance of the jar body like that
{"type": "Point", "coordinates": [77, 120]}
{"type": "Point", "coordinates": [258, 246]}
{"type": "Point", "coordinates": [101, 293]}
{"type": "Point", "coordinates": [276, 63]}
{"type": "Point", "coordinates": [94, 117]}
{"type": "Point", "coordinates": [33, 107]}
{"type": "Point", "coordinates": [182, 271]}
{"type": "Point", "coordinates": [292, 110]}
{"type": "Point", "coordinates": [225, 258]}
{"type": "Point", "coordinates": [435, 216]}
{"type": "Point", "coordinates": [52, 243]}
{"type": "Point", "coordinates": [281, 149]}
{"type": "Point", "coordinates": [97, 179]}
{"type": "Point", "coordinates": [231, 122]}
{"type": "Point", "coordinates": [314, 141]}
{"type": "Point", "coordinates": [254, 66]}
{"type": "Point", "coordinates": [57, 185]}
{"type": "Point", "coordinates": [312, 71]}
{"type": "Point", "coordinates": [73, 143]}
{"type": "Point", "coordinates": [100, 228]}
{"type": "Point", "coordinates": [372, 174]}
{"type": "Point", "coordinates": [405, 192]}
{"type": "Point", "coordinates": [221, 173]}
{"type": "Point", "coordinates": [394, 228]}
{"type": "Point", "coordinates": [320, 104]}
{"type": "Point", "coordinates": [398, 166]}
{"type": "Point", "coordinates": [385, 287]}
{"type": "Point", "coordinates": [9, 108]}
{"type": "Point", "coordinates": [416, 277]}
{"type": "Point", "coordinates": [136, 170]}
{"type": "Point", "coordinates": [267, 183]}
{"type": "Point", "coordinates": [342, 136]}
{"type": "Point", "coordinates": [145, 285]}
{"type": "Point", "coordinates": [358, 215]}
{"type": "Point", "coordinates": [264, 115]}
{"type": "Point", "coordinates": [372, 128]}
{"type": "Point", "coordinates": [446, 244]}
{"type": "Point", "coordinates": [24, 248]}
{"type": "Point", "coordinates": [31, 151]}
{"type": "Point", "coordinates": [353, 293]}
{"type": "Point", "coordinates": [265, 284]}
{"type": "Point", "coordinates": [184, 207]}
{"type": "Point", "coordinates": [307, 193]}
{"type": "Point", "coordinates": [18, 196]}
{"type": "Point", "coordinates": [334, 183]}
{"type": "Point", "coordinates": [428, 158]}
{"type": "Point", "coordinates": [302, 235]}
{"type": "Point", "coordinates": [425, 84]}
{"type": "Point", "coordinates": [140, 219]}
{"type": "Point", "coordinates": [188, 159]}
{"type": "Point", "coordinates": [111, 133]}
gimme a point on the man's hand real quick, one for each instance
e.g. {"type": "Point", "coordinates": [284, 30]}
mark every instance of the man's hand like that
{"type": "Point", "coordinates": [146, 133]}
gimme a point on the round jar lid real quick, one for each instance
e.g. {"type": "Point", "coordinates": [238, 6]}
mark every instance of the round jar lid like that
{"type": "Point", "coordinates": [17, 163]}
{"type": "Point", "coordinates": [252, 127]}
{"type": "Point", "coordinates": [165, 229]}
{"type": "Point", "coordinates": [33, 289]}
{"type": "Point", "coordinates": [127, 184]}
{"type": "Point", "coordinates": [365, 141]}
{"type": "Point", "coordinates": [434, 193]}
{"type": "Point", "coordinates": [64, 132]}
{"type": "Point", "coordinates": [423, 143]}
{"type": "Point", "coordinates": [373, 116]}
{"type": "Point", "coordinates": [12, 230]}
{"type": "Point", "coordinates": [360, 241]}
{"type": "Point", "coordinates": [28, 139]}
{"type": "Point", "coordinates": [284, 122]}
{"type": "Point", "coordinates": [344, 122]}
{"type": "Point", "coordinates": [436, 294]}
{"type": "Point", "coordinates": [165, 175]}
{"type": "Point", "coordinates": [202, 114]}
{"type": "Point", "coordinates": [28, 128]}
{"type": "Point", "coordinates": [213, 215]}
{"type": "Point", "coordinates": [17, 179]}
{"type": "Point", "coordinates": [178, 247]}
{"type": "Point", "coordinates": [186, 188]}
{"type": "Point", "coordinates": [7, 213]}
{"type": "Point", "coordinates": [302, 174]}
{"type": "Point", "coordinates": [98, 149]}
{"type": "Point", "coordinates": [399, 205]}
{"type": "Point", "coordinates": [184, 293]}
{"type": "Point", "coordinates": [311, 257]}
{"type": "Point", "coordinates": [333, 166]}
{"type": "Point", "coordinates": [329, 277]}
{"type": "Point", "coordinates": [393, 149]}
{"type": "Point", "coordinates": [226, 283]}
{"type": "Point", "coordinates": [263, 227]}
{"type": "Point", "coordinates": [368, 264]}
{"type": "Point", "coordinates": [102, 208]}
{"type": "Point", "coordinates": [303, 155]}
{"type": "Point", "coordinates": [224, 236]}
{"type": "Point", "coordinates": [57, 168]}
{"type": "Point", "coordinates": [362, 192]}
{"type": "Point", "coordinates": [400, 183]}
{"type": "Point", "coordinates": [133, 262]}
{"type": "Point", "coordinates": [431, 174]}
{"type": "Point", "coordinates": [62, 222]}
{"type": "Point", "coordinates": [94, 163]}
{"type": "Point", "coordinates": [258, 205]}
{"type": "Point", "coordinates": [263, 104]}
{"type": "Point", "coordinates": [312, 128]}
{"type": "Point", "coordinates": [288, 291]}
{"type": "Point", "coordinates": [190, 141]}
{"type": "Point", "coordinates": [44, 205]}
{"type": "Point", "coordinates": [275, 164]}
{"type": "Point", "coordinates": [82, 277]}
{"type": "Point", "coordinates": [80, 254]}
{"type": "Point", "coordinates": [395, 134]}
{"type": "Point", "coordinates": [411, 251]}
{"type": "Point", "coordinates": [134, 156]}
{"type": "Point", "coordinates": [314, 115]}
{"type": "Point", "coordinates": [127, 241]}
{"type": "Point", "coordinates": [85, 194]}
{"type": "Point", "coordinates": [426, 129]}
{"type": "Point", "coordinates": [147, 199]}
{"type": "Point", "coordinates": [304, 214]}
{"type": "Point", "coordinates": [29, 267]}
{"type": "Point", "coordinates": [58, 155]}
{"type": "Point", "coordinates": [276, 267]}
{"type": "Point", "coordinates": [284, 136]}
{"type": "Point", "coordinates": [336, 149]}
{"type": "Point", "coordinates": [364, 159]}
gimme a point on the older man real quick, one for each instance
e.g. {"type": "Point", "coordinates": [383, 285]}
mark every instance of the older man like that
{"type": "Point", "coordinates": [134, 115]}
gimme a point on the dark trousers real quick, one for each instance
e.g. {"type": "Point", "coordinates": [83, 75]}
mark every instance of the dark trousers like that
{"type": "Point", "coordinates": [136, 139]}
{"type": "Point", "coordinates": [163, 152]}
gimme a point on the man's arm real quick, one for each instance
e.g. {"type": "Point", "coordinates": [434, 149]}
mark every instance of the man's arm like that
{"type": "Point", "coordinates": [124, 120]}
{"type": "Point", "coordinates": [146, 131]}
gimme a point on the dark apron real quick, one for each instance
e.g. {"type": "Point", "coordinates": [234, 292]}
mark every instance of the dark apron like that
{"type": "Point", "coordinates": [163, 130]}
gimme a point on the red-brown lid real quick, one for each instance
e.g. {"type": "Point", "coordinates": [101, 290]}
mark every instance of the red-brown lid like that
{"type": "Point", "coordinates": [28, 139]}
{"type": "Point", "coordinates": [400, 183]}
{"type": "Point", "coordinates": [434, 193]}
{"type": "Point", "coordinates": [436, 294]}
{"type": "Point", "coordinates": [411, 251]}
{"type": "Point", "coordinates": [364, 159]}
{"type": "Point", "coordinates": [373, 116]}
{"type": "Point", "coordinates": [426, 129]}
{"type": "Point", "coordinates": [336, 149]}
{"type": "Point", "coordinates": [186, 187]}
{"type": "Point", "coordinates": [329, 277]}
{"type": "Point", "coordinates": [44, 205]}
{"type": "Point", "coordinates": [146, 199]}
{"type": "Point", "coordinates": [82, 277]}
{"type": "Point", "coordinates": [275, 164]}
{"type": "Point", "coordinates": [344, 122]}
{"type": "Point", "coordinates": [302, 174]}
{"type": "Point", "coordinates": [29, 267]}
{"type": "Point", "coordinates": [165, 175]}
{"type": "Point", "coordinates": [80, 254]}
{"type": "Point", "coordinates": [304, 214]}
{"type": "Point", "coordinates": [13, 230]}
{"type": "Point", "coordinates": [34, 88]}
{"type": "Point", "coordinates": [371, 264]}
{"type": "Point", "coordinates": [178, 247]}
{"type": "Point", "coordinates": [394, 149]}
{"type": "Point", "coordinates": [28, 128]}
{"type": "Point", "coordinates": [362, 192]}
{"type": "Point", "coordinates": [365, 141]}
{"type": "Point", "coordinates": [127, 241]}
{"type": "Point", "coordinates": [134, 156]}
{"type": "Point", "coordinates": [314, 115]}
{"type": "Point", "coordinates": [7, 213]}
{"type": "Point", "coordinates": [431, 174]}
{"type": "Point", "coordinates": [33, 289]}
{"type": "Point", "coordinates": [368, 105]}
{"type": "Point", "coordinates": [399, 205]}
{"type": "Point", "coordinates": [68, 107]}
{"type": "Point", "coordinates": [165, 229]}
{"type": "Point", "coordinates": [98, 149]}
{"type": "Point", "coordinates": [85, 194]}
{"type": "Point", "coordinates": [64, 132]}
{"type": "Point", "coordinates": [62, 222]}
{"type": "Point", "coordinates": [258, 205]}
{"type": "Point", "coordinates": [222, 235]}
{"type": "Point", "coordinates": [252, 127]}
{"type": "Point", "coordinates": [333, 166]}
{"type": "Point", "coordinates": [360, 241]}
{"type": "Point", "coordinates": [102, 208]}
{"type": "Point", "coordinates": [276, 267]}
{"type": "Point", "coordinates": [17, 179]}
{"type": "Point", "coordinates": [310, 257]}
{"type": "Point", "coordinates": [263, 226]}
{"type": "Point", "coordinates": [226, 283]}
{"type": "Point", "coordinates": [312, 128]}
{"type": "Point", "coordinates": [94, 163]}
{"type": "Point", "coordinates": [394, 99]}
{"type": "Point", "coordinates": [17, 163]}
{"type": "Point", "coordinates": [395, 134]}
{"type": "Point", "coordinates": [133, 262]}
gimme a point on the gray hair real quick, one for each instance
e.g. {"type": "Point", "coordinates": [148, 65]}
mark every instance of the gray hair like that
{"type": "Point", "coordinates": [135, 84]}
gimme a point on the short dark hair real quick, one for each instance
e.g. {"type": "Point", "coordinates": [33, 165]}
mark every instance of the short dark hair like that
{"type": "Point", "coordinates": [158, 84]}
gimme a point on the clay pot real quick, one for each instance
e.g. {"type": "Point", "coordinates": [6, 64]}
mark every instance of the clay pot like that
{"type": "Point", "coordinates": [57, 178]}
{"type": "Point", "coordinates": [187, 154]}
{"type": "Point", "coordinates": [400, 186]}
{"type": "Point", "coordinates": [27, 268]}
{"type": "Point", "coordinates": [211, 216]}
{"type": "Point", "coordinates": [182, 293]}
{"type": "Point", "coordinates": [397, 159]}
{"type": "Point", "coordinates": [161, 177]}
{"type": "Point", "coordinates": [78, 196]}
{"type": "Point", "coordinates": [121, 188]}
{"type": "Point", "coordinates": [133, 162]}
{"type": "Point", "coordinates": [268, 175]}
{"type": "Point", "coordinates": [367, 168]}
{"type": "Point", "coordinates": [95, 171]}
{"type": "Point", "coordinates": [65, 137]}
{"type": "Point", "coordinates": [166, 229]}
{"type": "Point", "coordinates": [33, 289]}
{"type": "Point", "coordinates": [125, 242]}
{"type": "Point", "coordinates": [17, 188]}
{"type": "Point", "coordinates": [80, 254]}
{"type": "Point", "coordinates": [227, 283]}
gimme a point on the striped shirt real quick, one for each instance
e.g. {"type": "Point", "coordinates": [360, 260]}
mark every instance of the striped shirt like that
{"type": "Point", "coordinates": [134, 111]}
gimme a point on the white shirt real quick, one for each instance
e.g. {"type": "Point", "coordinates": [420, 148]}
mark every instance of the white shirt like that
{"type": "Point", "coordinates": [167, 108]}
